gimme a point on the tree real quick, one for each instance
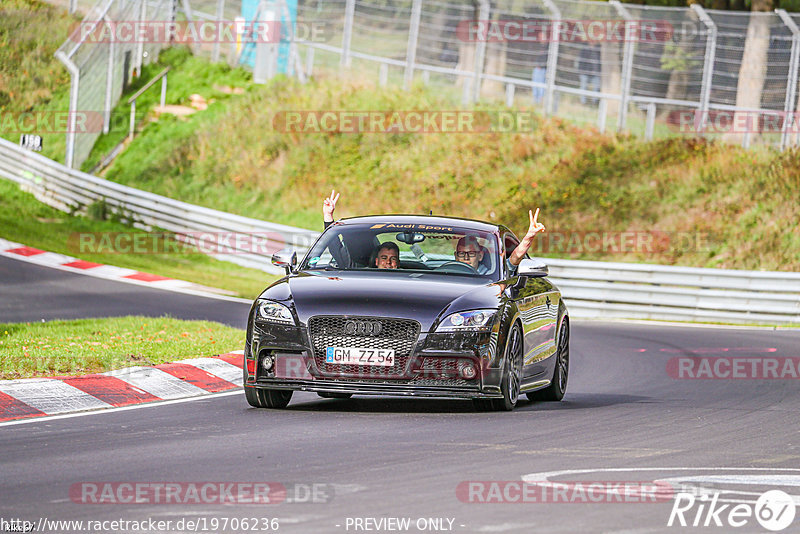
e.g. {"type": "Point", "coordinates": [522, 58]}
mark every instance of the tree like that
{"type": "Point", "coordinates": [753, 69]}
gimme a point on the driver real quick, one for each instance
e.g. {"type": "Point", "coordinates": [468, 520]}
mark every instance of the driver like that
{"type": "Point", "coordinates": [469, 251]}
{"type": "Point", "coordinates": [387, 256]}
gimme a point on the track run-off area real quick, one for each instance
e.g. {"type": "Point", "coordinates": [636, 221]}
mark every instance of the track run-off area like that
{"type": "Point", "coordinates": [654, 413]}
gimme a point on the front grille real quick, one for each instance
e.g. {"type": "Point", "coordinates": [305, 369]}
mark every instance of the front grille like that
{"type": "Point", "coordinates": [332, 331]}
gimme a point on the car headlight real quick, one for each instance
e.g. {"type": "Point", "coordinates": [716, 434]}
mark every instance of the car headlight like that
{"type": "Point", "coordinates": [468, 320]}
{"type": "Point", "coordinates": [273, 312]}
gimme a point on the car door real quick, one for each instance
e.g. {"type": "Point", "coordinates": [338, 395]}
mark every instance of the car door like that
{"type": "Point", "coordinates": [537, 301]}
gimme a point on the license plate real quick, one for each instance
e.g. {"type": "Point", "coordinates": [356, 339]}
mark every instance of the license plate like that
{"type": "Point", "coordinates": [359, 356]}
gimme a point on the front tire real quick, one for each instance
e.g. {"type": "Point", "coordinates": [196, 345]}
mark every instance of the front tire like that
{"type": "Point", "coordinates": [267, 398]}
{"type": "Point", "coordinates": [263, 398]}
{"type": "Point", "coordinates": [558, 384]}
{"type": "Point", "coordinates": [512, 372]}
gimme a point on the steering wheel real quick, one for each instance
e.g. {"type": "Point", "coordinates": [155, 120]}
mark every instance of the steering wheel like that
{"type": "Point", "coordinates": [464, 267]}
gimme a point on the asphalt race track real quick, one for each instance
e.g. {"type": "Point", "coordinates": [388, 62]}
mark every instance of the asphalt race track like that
{"type": "Point", "coordinates": [30, 292]}
{"type": "Point", "coordinates": [372, 459]}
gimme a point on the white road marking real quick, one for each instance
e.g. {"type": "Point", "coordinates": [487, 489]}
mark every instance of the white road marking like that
{"type": "Point", "coordinates": [120, 409]}
{"type": "Point", "coordinates": [50, 396]}
{"type": "Point", "coordinates": [157, 382]}
{"type": "Point", "coordinates": [732, 477]}
{"type": "Point", "coordinates": [215, 366]}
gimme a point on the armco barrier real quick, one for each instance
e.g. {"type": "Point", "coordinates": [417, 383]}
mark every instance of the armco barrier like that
{"type": "Point", "coordinates": [66, 189]}
{"type": "Point", "coordinates": [645, 291]}
{"type": "Point", "coordinates": [592, 288]}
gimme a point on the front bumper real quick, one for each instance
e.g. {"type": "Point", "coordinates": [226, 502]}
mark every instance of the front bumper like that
{"type": "Point", "coordinates": [431, 369]}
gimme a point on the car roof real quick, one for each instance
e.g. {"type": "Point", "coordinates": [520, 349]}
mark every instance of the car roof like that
{"type": "Point", "coordinates": [432, 220]}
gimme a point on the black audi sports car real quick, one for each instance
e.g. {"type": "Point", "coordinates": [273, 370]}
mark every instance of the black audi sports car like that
{"type": "Point", "coordinates": [438, 325]}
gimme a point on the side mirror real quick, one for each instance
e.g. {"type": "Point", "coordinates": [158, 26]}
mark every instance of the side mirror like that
{"type": "Point", "coordinates": [534, 268]}
{"type": "Point", "coordinates": [286, 259]}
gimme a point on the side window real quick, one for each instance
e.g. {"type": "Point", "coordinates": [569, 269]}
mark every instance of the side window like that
{"type": "Point", "coordinates": [510, 242]}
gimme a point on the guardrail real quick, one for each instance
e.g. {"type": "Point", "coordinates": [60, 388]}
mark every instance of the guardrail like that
{"type": "Point", "coordinates": [67, 189]}
{"type": "Point", "coordinates": [592, 288]}
{"type": "Point", "coordinates": [645, 291]}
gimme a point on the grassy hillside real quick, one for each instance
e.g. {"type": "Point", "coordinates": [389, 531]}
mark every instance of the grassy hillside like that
{"type": "Point", "coordinates": [744, 203]}
{"type": "Point", "coordinates": [30, 77]}
{"type": "Point", "coordinates": [25, 220]}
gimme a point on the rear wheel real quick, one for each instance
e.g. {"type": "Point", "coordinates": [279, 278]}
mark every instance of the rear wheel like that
{"type": "Point", "coordinates": [512, 372]}
{"type": "Point", "coordinates": [327, 395]}
{"type": "Point", "coordinates": [558, 384]}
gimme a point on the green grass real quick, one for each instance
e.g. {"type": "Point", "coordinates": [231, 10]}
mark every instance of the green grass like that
{"type": "Point", "coordinates": [188, 75]}
{"type": "Point", "coordinates": [31, 78]}
{"type": "Point", "coordinates": [230, 158]}
{"type": "Point", "coordinates": [742, 203]}
{"type": "Point", "coordinates": [97, 345]}
{"type": "Point", "coordinates": [25, 220]}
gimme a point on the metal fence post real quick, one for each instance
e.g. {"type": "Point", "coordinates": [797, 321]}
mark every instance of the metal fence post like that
{"type": "Point", "coordinates": [219, 16]}
{"type": "Point", "coordinates": [309, 61]}
{"type": "Point", "coordinates": [411, 51]}
{"type": "Point", "coordinates": [789, 121]}
{"type": "Point", "coordinates": [627, 64]}
{"type": "Point", "coordinates": [708, 65]}
{"type": "Point", "coordinates": [140, 44]}
{"type": "Point", "coordinates": [187, 10]}
{"type": "Point", "coordinates": [75, 81]}
{"type": "Point", "coordinates": [651, 121]}
{"type": "Point", "coordinates": [480, 52]}
{"type": "Point", "coordinates": [132, 123]}
{"type": "Point", "coordinates": [109, 80]}
{"type": "Point", "coordinates": [347, 34]}
{"type": "Point", "coordinates": [163, 91]}
{"type": "Point", "coordinates": [466, 91]}
{"type": "Point", "coordinates": [552, 58]}
{"type": "Point", "coordinates": [510, 89]}
{"type": "Point", "coordinates": [383, 74]}
{"type": "Point", "coordinates": [602, 111]}
{"type": "Point", "coordinates": [73, 4]}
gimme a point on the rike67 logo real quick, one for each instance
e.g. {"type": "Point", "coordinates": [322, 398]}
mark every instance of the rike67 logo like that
{"type": "Point", "coordinates": [774, 510]}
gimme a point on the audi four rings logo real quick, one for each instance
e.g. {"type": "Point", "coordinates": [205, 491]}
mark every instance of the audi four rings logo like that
{"type": "Point", "coordinates": [362, 328]}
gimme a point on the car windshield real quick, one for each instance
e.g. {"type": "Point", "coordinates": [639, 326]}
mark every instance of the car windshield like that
{"type": "Point", "coordinates": [410, 247]}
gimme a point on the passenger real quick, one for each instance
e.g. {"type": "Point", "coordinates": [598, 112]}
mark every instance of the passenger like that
{"type": "Point", "coordinates": [387, 256]}
{"type": "Point", "coordinates": [468, 250]}
{"type": "Point", "coordinates": [527, 240]}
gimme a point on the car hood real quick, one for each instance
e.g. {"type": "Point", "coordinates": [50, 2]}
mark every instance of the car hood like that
{"type": "Point", "coordinates": [420, 296]}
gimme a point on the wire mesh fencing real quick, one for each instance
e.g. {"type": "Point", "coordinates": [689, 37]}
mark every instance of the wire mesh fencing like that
{"type": "Point", "coordinates": [653, 71]}
{"type": "Point", "coordinates": [101, 65]}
